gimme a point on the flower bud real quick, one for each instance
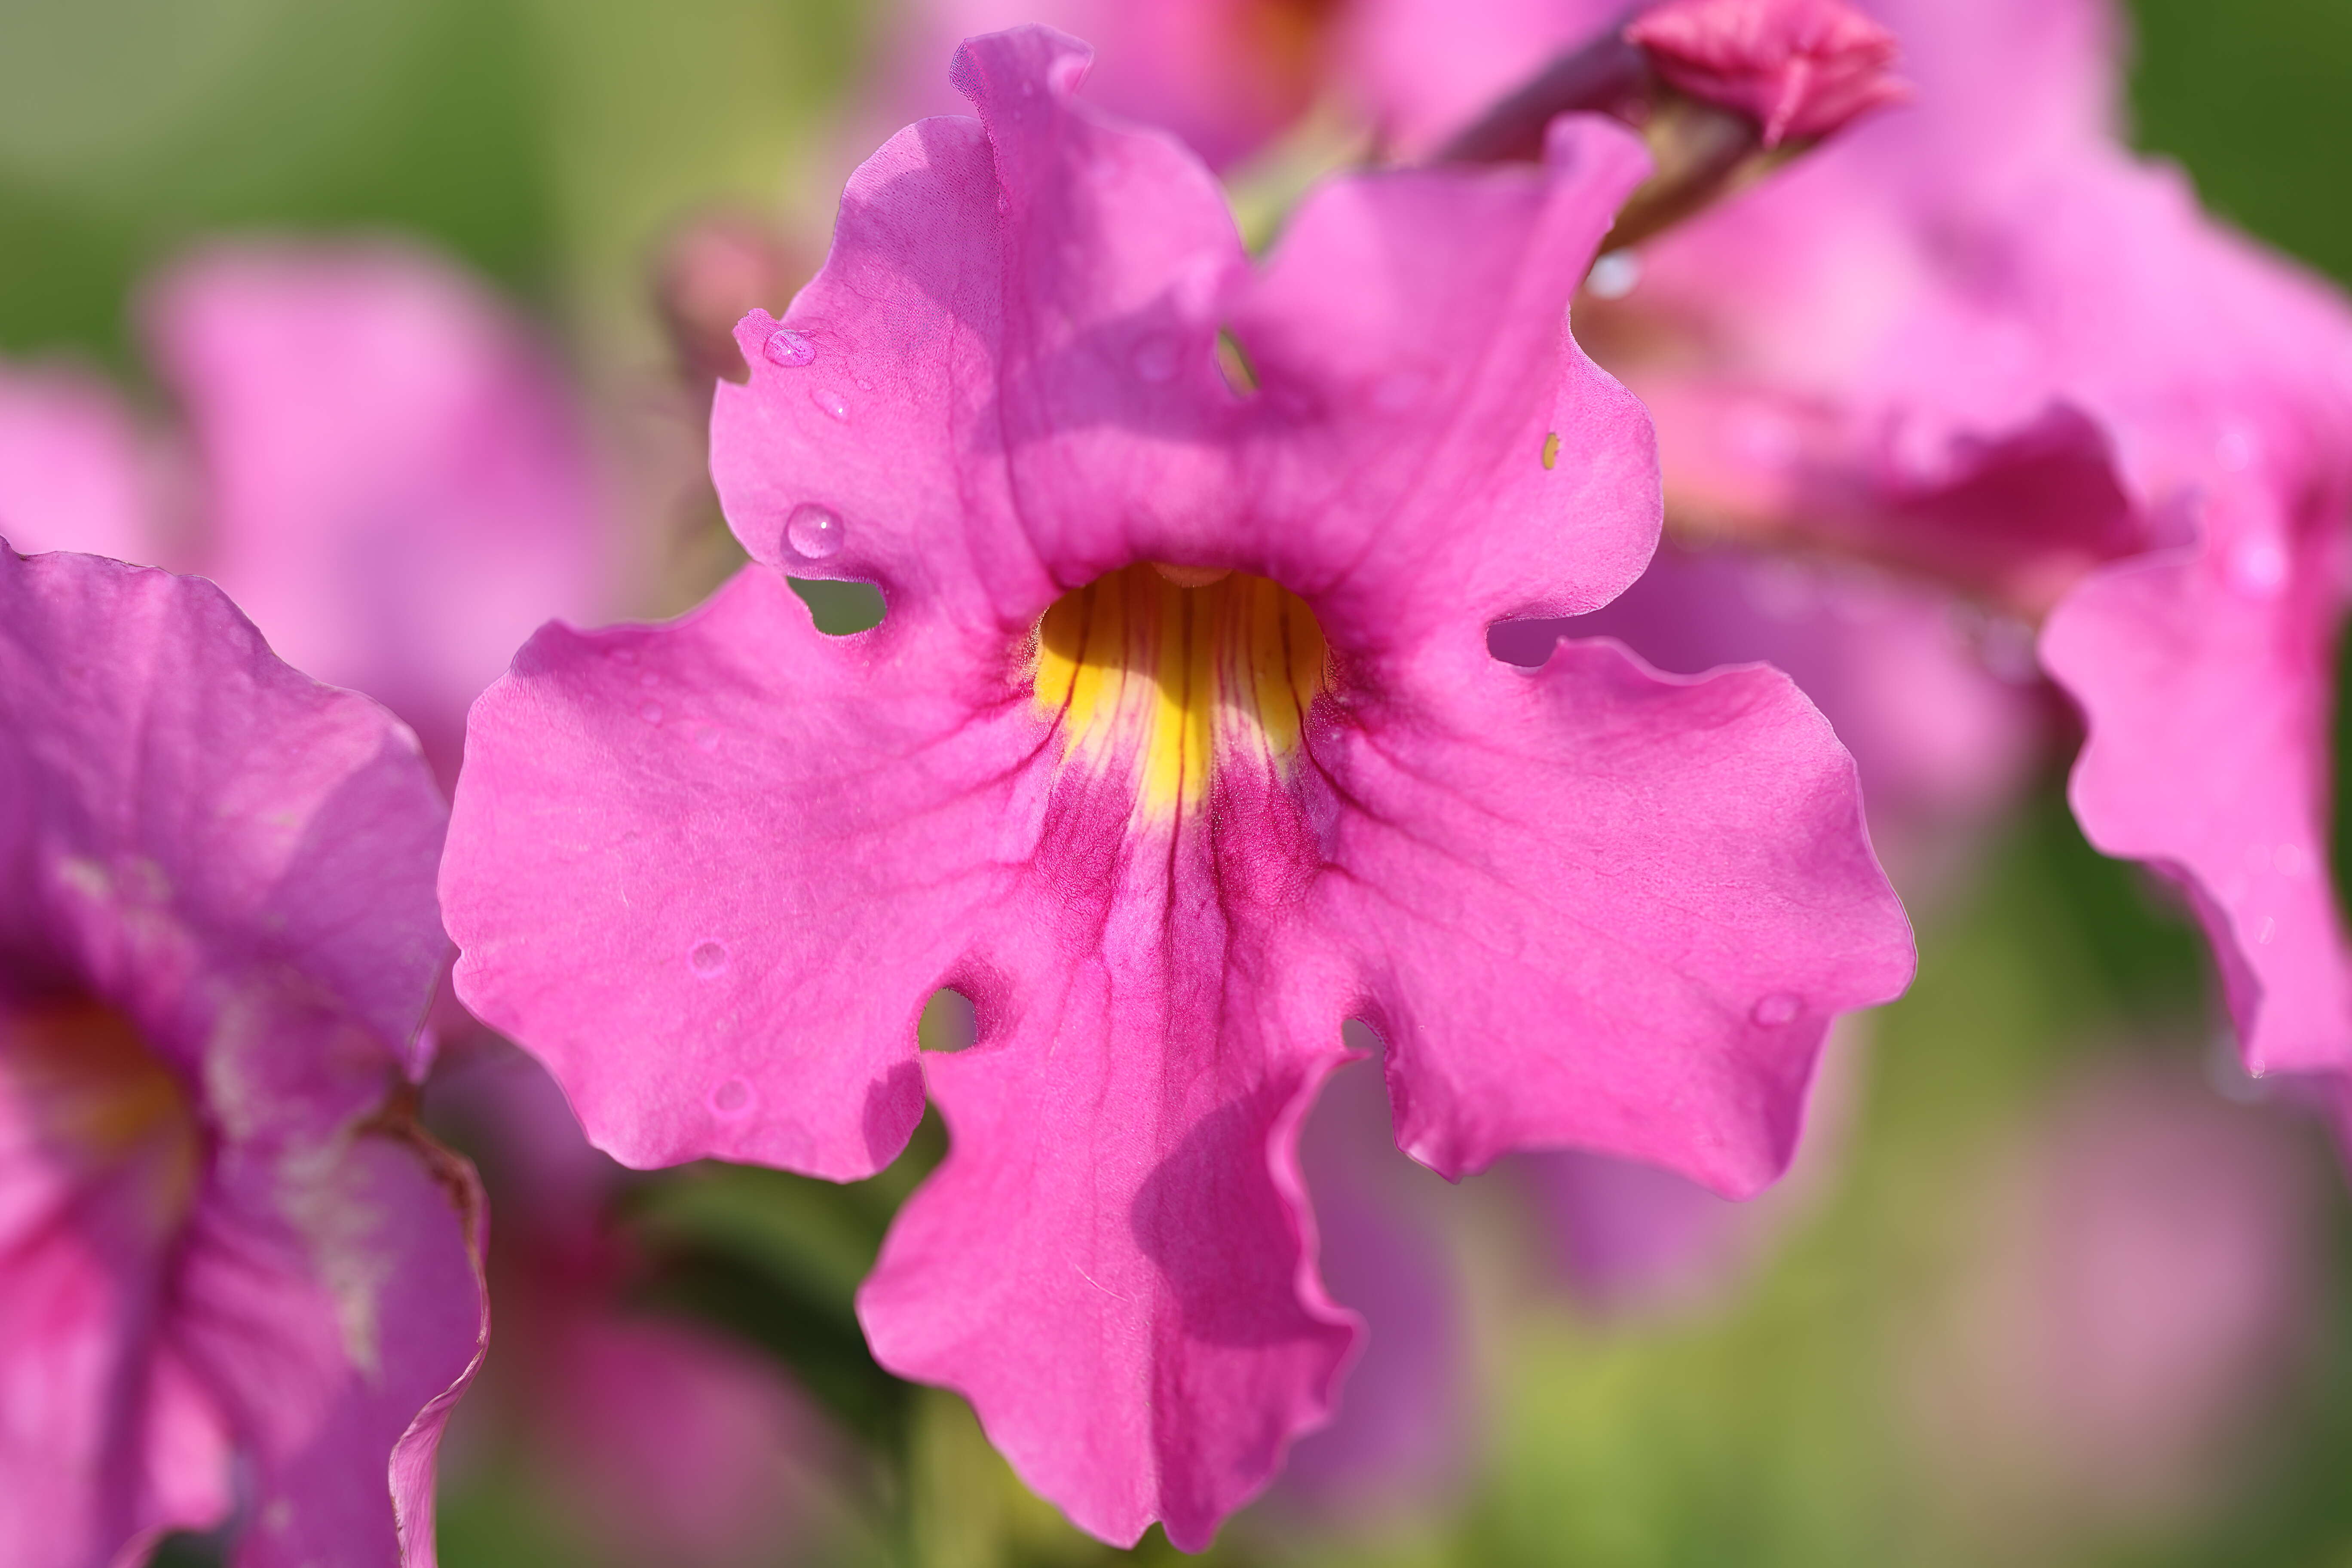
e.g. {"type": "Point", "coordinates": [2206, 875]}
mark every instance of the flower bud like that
{"type": "Point", "coordinates": [1800, 68]}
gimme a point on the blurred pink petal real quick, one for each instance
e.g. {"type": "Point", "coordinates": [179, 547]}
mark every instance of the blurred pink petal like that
{"type": "Point", "coordinates": [676, 1446]}
{"type": "Point", "coordinates": [711, 872]}
{"type": "Point", "coordinates": [1402, 1433]}
{"type": "Point", "coordinates": [74, 471]}
{"type": "Point", "coordinates": [2138, 1285]}
{"type": "Point", "coordinates": [1636, 1240]}
{"type": "Point", "coordinates": [1799, 68]}
{"type": "Point", "coordinates": [656, 1439]}
{"type": "Point", "coordinates": [1227, 76]}
{"type": "Point", "coordinates": [396, 489]}
{"type": "Point", "coordinates": [222, 1232]}
{"type": "Point", "coordinates": [1977, 338]}
{"type": "Point", "coordinates": [390, 478]}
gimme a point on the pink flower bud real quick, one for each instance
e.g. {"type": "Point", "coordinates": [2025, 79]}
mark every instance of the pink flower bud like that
{"type": "Point", "coordinates": [1801, 67]}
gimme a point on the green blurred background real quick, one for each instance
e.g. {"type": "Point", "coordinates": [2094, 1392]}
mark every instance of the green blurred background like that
{"type": "Point", "coordinates": [553, 143]}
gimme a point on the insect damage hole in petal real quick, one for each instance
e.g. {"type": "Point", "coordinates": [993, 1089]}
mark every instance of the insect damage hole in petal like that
{"type": "Point", "coordinates": [948, 1022]}
{"type": "Point", "coordinates": [840, 609]}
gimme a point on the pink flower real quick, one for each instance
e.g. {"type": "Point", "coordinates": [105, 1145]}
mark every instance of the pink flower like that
{"type": "Point", "coordinates": [1799, 68]}
{"type": "Point", "coordinates": [1179, 746]}
{"type": "Point", "coordinates": [222, 1240]}
{"type": "Point", "coordinates": [1978, 339]}
{"type": "Point", "coordinates": [386, 474]}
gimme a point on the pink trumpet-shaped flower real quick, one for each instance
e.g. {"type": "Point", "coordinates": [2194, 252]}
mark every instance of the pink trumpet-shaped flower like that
{"type": "Point", "coordinates": [1179, 746]}
{"type": "Point", "coordinates": [1977, 338]}
{"type": "Point", "coordinates": [222, 1240]}
{"type": "Point", "coordinates": [387, 473]}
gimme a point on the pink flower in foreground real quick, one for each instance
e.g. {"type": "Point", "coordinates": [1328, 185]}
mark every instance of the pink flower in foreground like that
{"type": "Point", "coordinates": [386, 474]}
{"type": "Point", "coordinates": [1181, 744]}
{"type": "Point", "coordinates": [225, 1250]}
{"type": "Point", "coordinates": [1975, 338]}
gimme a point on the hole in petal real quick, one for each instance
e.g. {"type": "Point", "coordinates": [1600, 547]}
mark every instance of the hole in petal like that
{"type": "Point", "coordinates": [186, 1549]}
{"type": "Point", "coordinates": [1527, 644]}
{"type": "Point", "coordinates": [1234, 364]}
{"type": "Point", "coordinates": [948, 1023]}
{"type": "Point", "coordinates": [840, 609]}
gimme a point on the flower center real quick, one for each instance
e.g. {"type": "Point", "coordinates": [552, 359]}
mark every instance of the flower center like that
{"type": "Point", "coordinates": [1159, 673]}
{"type": "Point", "coordinates": [79, 1080]}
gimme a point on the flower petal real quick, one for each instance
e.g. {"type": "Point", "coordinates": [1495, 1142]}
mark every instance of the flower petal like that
{"type": "Point", "coordinates": [73, 474]}
{"type": "Point", "coordinates": [710, 872]}
{"type": "Point", "coordinates": [1116, 1262]}
{"type": "Point", "coordinates": [1404, 1432]}
{"type": "Point", "coordinates": [223, 868]}
{"type": "Point", "coordinates": [1432, 450]}
{"type": "Point", "coordinates": [181, 805]}
{"type": "Point", "coordinates": [331, 1294]}
{"type": "Point", "coordinates": [1599, 908]}
{"type": "Point", "coordinates": [1941, 741]}
{"type": "Point", "coordinates": [1003, 383]}
{"type": "Point", "coordinates": [2208, 757]}
{"type": "Point", "coordinates": [105, 1439]}
{"type": "Point", "coordinates": [398, 491]}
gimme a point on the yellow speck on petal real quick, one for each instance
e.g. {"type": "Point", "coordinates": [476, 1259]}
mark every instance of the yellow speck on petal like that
{"type": "Point", "coordinates": [1550, 448]}
{"type": "Point", "coordinates": [1140, 670]}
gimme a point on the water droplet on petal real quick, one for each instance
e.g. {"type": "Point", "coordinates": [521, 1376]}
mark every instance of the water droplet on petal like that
{"type": "Point", "coordinates": [708, 957]}
{"type": "Point", "coordinates": [1777, 1009]}
{"type": "Point", "coordinates": [836, 406]}
{"type": "Point", "coordinates": [2270, 930]}
{"type": "Point", "coordinates": [651, 712]}
{"type": "Point", "coordinates": [814, 531]}
{"type": "Point", "coordinates": [2234, 448]}
{"type": "Point", "coordinates": [706, 738]}
{"type": "Point", "coordinates": [2293, 860]}
{"type": "Point", "coordinates": [2258, 567]}
{"type": "Point", "coordinates": [789, 349]}
{"type": "Point", "coordinates": [1155, 358]}
{"type": "Point", "coordinates": [732, 1098]}
{"type": "Point", "coordinates": [1615, 276]}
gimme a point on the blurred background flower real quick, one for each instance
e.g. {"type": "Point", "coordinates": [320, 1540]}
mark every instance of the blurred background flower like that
{"type": "Point", "coordinates": [2046, 1290]}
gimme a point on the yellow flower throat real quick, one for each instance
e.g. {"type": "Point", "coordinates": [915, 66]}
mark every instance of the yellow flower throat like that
{"type": "Point", "coordinates": [1140, 670]}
